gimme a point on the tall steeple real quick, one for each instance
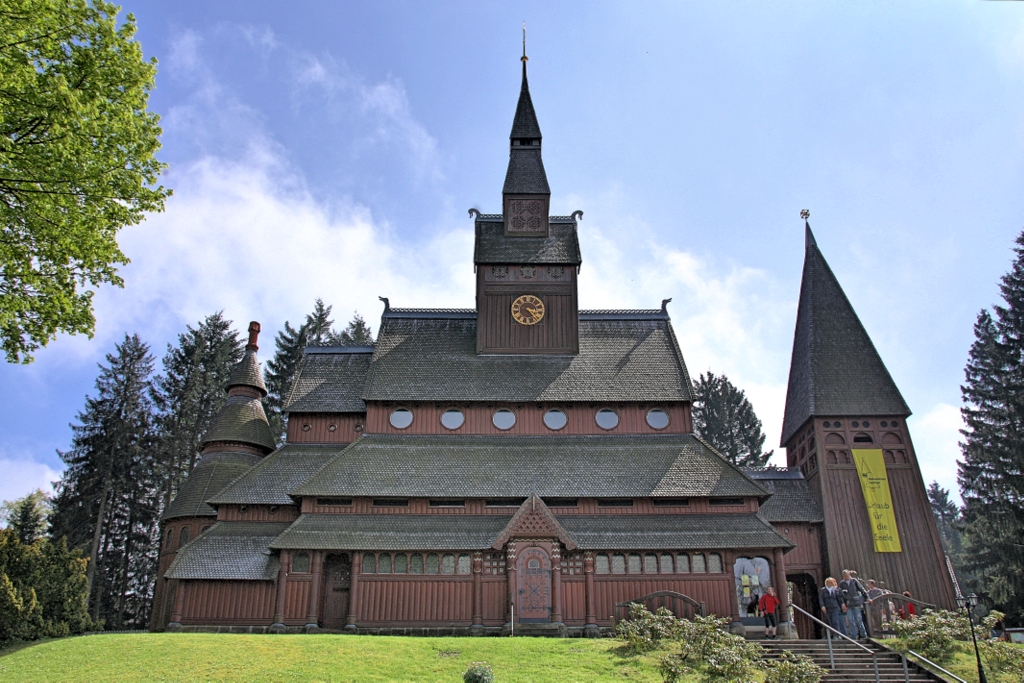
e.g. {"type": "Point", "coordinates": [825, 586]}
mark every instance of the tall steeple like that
{"type": "Point", "coordinates": [835, 369]}
{"type": "Point", "coordinates": [526, 195]}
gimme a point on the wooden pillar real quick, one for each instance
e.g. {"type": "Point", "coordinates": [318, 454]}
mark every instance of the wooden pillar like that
{"type": "Point", "coordinates": [179, 605]}
{"type": "Point", "coordinates": [314, 590]}
{"type": "Point", "coordinates": [353, 591]}
{"type": "Point", "coordinates": [588, 573]}
{"type": "Point", "coordinates": [510, 572]}
{"type": "Point", "coordinates": [781, 588]}
{"type": "Point", "coordinates": [282, 588]}
{"type": "Point", "coordinates": [478, 589]}
{"type": "Point", "coordinates": [556, 583]}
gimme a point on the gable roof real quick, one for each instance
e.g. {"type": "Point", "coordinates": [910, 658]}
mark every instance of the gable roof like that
{"type": "Point", "coordinates": [213, 472]}
{"type": "Point", "coordinates": [835, 369]}
{"type": "Point", "coordinates": [392, 465]}
{"type": "Point", "coordinates": [533, 519]}
{"type": "Point", "coordinates": [791, 501]}
{"type": "Point", "coordinates": [229, 550]}
{"type": "Point", "coordinates": [434, 359]}
{"type": "Point", "coordinates": [330, 380]}
{"type": "Point", "coordinates": [561, 246]}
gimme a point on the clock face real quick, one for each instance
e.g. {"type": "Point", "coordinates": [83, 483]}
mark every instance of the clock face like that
{"type": "Point", "coordinates": [528, 310]}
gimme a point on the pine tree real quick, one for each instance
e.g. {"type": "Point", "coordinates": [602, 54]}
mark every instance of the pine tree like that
{"type": "Point", "coordinates": [358, 333]}
{"type": "Point", "coordinates": [190, 393]}
{"type": "Point", "coordinates": [318, 326]}
{"type": "Point", "coordinates": [724, 418]}
{"type": "Point", "coordinates": [947, 516]}
{"type": "Point", "coordinates": [279, 374]}
{"type": "Point", "coordinates": [991, 474]}
{"type": "Point", "coordinates": [108, 499]}
{"type": "Point", "coordinates": [27, 517]}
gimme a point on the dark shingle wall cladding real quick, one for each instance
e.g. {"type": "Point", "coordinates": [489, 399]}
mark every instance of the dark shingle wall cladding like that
{"type": "Point", "coordinates": [247, 373]}
{"type": "Point", "coordinates": [436, 359]}
{"type": "Point", "coordinates": [560, 247]}
{"type": "Point", "coordinates": [330, 383]}
{"type": "Point", "coordinates": [503, 466]}
{"type": "Point", "coordinates": [392, 532]}
{"type": "Point", "coordinates": [269, 482]}
{"type": "Point", "coordinates": [229, 550]}
{"type": "Point", "coordinates": [791, 501]}
{"type": "Point", "coordinates": [665, 532]}
{"type": "Point", "coordinates": [212, 473]}
{"type": "Point", "coordinates": [242, 419]}
{"type": "Point", "coordinates": [835, 369]}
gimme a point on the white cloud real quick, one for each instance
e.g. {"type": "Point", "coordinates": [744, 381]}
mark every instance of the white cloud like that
{"type": "Point", "coordinates": [936, 436]}
{"type": "Point", "coordinates": [21, 475]}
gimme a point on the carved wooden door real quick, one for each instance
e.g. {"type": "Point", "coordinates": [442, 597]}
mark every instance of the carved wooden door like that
{"type": "Point", "coordinates": [337, 581]}
{"type": "Point", "coordinates": [534, 578]}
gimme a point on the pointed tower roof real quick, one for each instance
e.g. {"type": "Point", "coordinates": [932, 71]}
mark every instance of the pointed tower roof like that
{"type": "Point", "coordinates": [835, 369]}
{"type": "Point", "coordinates": [248, 373]}
{"type": "Point", "coordinates": [525, 173]}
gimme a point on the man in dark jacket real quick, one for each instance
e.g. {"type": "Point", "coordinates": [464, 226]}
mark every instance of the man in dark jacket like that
{"type": "Point", "coordinates": [833, 605]}
{"type": "Point", "coordinates": [855, 597]}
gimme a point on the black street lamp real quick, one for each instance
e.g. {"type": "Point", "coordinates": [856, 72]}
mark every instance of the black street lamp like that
{"type": "Point", "coordinates": [969, 603]}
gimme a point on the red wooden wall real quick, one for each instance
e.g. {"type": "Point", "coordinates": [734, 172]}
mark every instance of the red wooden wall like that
{"type": "Point", "coordinates": [228, 602]}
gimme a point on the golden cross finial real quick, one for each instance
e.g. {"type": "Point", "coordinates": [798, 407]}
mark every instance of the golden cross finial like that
{"type": "Point", "coordinates": [805, 214]}
{"type": "Point", "coordinates": [525, 58]}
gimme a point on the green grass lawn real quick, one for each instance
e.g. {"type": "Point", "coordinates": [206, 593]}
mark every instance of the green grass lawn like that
{"type": "Point", "coordinates": [230, 657]}
{"type": "Point", "coordinates": [964, 665]}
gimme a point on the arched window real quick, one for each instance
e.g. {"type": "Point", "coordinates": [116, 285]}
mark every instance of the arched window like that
{"type": "Point", "coordinates": [432, 563]}
{"type": "Point", "coordinates": [384, 563]}
{"type": "Point", "coordinates": [682, 563]}
{"type": "Point", "coordinates": [401, 563]}
{"type": "Point", "coordinates": [448, 563]}
{"type": "Point", "coordinates": [715, 563]}
{"type": "Point", "coordinates": [465, 563]}
{"type": "Point", "coordinates": [416, 564]}
{"type": "Point", "coordinates": [618, 563]}
{"type": "Point", "coordinates": [698, 564]}
{"type": "Point", "coordinates": [170, 538]}
{"type": "Point", "coordinates": [666, 563]}
{"type": "Point", "coordinates": [205, 529]}
{"type": "Point", "coordinates": [300, 563]}
{"type": "Point", "coordinates": [650, 563]}
{"type": "Point", "coordinates": [185, 533]}
{"type": "Point", "coordinates": [601, 564]}
{"type": "Point", "coordinates": [369, 563]}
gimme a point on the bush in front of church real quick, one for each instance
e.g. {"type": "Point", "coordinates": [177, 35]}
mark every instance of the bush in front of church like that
{"type": "Point", "coordinates": [644, 630]}
{"type": "Point", "coordinates": [708, 648]}
{"type": "Point", "coordinates": [478, 672]}
{"type": "Point", "coordinates": [792, 668]}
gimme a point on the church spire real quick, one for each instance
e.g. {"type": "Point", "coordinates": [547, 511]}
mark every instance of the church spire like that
{"type": "Point", "coordinates": [527, 196]}
{"type": "Point", "coordinates": [835, 369]}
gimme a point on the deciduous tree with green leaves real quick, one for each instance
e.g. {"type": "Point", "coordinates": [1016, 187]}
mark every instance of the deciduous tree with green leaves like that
{"type": "Point", "coordinates": [77, 162]}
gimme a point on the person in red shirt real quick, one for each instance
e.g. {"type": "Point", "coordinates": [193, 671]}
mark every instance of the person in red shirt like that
{"type": "Point", "coordinates": [907, 611]}
{"type": "Point", "coordinates": [768, 604]}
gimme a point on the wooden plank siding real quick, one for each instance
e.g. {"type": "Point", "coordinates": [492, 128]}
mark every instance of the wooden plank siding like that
{"type": "Point", "coordinates": [257, 513]}
{"type": "Point", "coordinates": [228, 602]}
{"type": "Point", "coordinates": [478, 506]}
{"type": "Point", "coordinates": [325, 427]}
{"type": "Point", "coordinates": [529, 418]}
{"type": "Point", "coordinates": [297, 589]}
{"type": "Point", "coordinates": [717, 591]}
{"type": "Point", "coordinates": [498, 332]}
{"type": "Point", "coordinates": [415, 601]}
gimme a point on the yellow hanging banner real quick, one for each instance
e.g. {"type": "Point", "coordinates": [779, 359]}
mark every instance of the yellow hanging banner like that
{"type": "Point", "coordinates": [874, 482]}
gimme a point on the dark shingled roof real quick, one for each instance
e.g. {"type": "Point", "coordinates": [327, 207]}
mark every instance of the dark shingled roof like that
{"type": "Point", "coordinates": [791, 501]}
{"type": "Point", "coordinates": [560, 247]}
{"type": "Point", "coordinates": [555, 466]}
{"type": "Point", "coordinates": [242, 420]}
{"type": "Point", "coordinates": [525, 124]}
{"type": "Point", "coordinates": [683, 532]}
{"type": "Point", "coordinates": [432, 359]}
{"type": "Point", "coordinates": [248, 373]}
{"type": "Point", "coordinates": [392, 532]}
{"type": "Point", "coordinates": [525, 174]}
{"type": "Point", "coordinates": [835, 369]}
{"type": "Point", "coordinates": [269, 482]}
{"type": "Point", "coordinates": [213, 472]}
{"type": "Point", "coordinates": [229, 550]}
{"type": "Point", "coordinates": [330, 381]}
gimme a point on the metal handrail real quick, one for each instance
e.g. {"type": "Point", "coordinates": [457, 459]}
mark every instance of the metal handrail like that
{"type": "Point", "coordinates": [829, 631]}
{"type": "Point", "coordinates": [931, 664]}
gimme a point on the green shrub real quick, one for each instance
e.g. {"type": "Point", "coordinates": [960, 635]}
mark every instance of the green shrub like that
{"type": "Point", "coordinates": [478, 672]}
{"type": "Point", "coordinates": [932, 634]}
{"type": "Point", "coordinates": [706, 647]}
{"type": "Point", "coordinates": [1004, 658]}
{"type": "Point", "coordinates": [792, 668]}
{"type": "Point", "coordinates": [643, 630]}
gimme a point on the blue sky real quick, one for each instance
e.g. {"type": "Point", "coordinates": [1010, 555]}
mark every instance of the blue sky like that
{"type": "Point", "coordinates": [333, 149]}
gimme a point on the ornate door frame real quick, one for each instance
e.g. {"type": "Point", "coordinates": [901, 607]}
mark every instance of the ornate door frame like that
{"type": "Point", "coordinates": [533, 589]}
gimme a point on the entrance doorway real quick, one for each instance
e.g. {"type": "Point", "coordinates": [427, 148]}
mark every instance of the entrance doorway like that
{"type": "Point", "coordinates": [534, 578]}
{"type": "Point", "coordinates": [804, 591]}
{"type": "Point", "coordinates": [337, 581]}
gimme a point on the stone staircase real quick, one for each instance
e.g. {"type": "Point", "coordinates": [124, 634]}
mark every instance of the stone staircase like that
{"type": "Point", "coordinates": [852, 663]}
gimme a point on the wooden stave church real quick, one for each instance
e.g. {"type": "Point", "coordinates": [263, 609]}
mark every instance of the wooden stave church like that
{"type": "Point", "coordinates": [360, 525]}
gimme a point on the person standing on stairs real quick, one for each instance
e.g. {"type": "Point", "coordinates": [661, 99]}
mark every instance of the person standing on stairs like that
{"type": "Point", "coordinates": [855, 597]}
{"type": "Point", "coordinates": [833, 605]}
{"type": "Point", "coordinates": [768, 605]}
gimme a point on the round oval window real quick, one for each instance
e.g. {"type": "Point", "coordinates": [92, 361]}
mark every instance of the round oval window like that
{"type": "Point", "coordinates": [657, 418]}
{"type": "Point", "coordinates": [555, 419]}
{"type": "Point", "coordinates": [452, 418]}
{"type": "Point", "coordinates": [503, 419]}
{"type": "Point", "coordinates": [607, 418]}
{"type": "Point", "coordinates": [401, 418]}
